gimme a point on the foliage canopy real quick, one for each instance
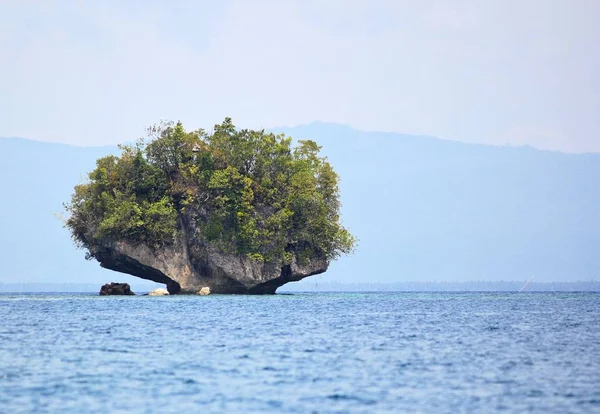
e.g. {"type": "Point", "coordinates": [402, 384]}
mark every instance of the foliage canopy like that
{"type": "Point", "coordinates": [246, 191]}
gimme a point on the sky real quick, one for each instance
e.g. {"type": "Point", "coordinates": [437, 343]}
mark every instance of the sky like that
{"type": "Point", "coordinates": [506, 72]}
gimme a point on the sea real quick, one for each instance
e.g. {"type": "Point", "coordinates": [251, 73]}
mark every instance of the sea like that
{"type": "Point", "coordinates": [345, 352]}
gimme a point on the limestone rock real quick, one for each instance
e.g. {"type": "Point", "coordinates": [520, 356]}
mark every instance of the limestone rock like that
{"type": "Point", "coordinates": [158, 292]}
{"type": "Point", "coordinates": [116, 289]}
{"type": "Point", "coordinates": [204, 291]}
{"type": "Point", "coordinates": [191, 263]}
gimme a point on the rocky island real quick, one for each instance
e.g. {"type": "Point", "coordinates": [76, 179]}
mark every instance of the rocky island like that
{"type": "Point", "coordinates": [116, 289]}
{"type": "Point", "coordinates": [234, 211]}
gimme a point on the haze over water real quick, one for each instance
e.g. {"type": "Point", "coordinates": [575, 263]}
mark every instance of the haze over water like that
{"type": "Point", "coordinates": [334, 352]}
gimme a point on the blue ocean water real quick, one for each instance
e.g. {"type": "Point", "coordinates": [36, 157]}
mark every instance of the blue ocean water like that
{"type": "Point", "coordinates": [324, 352]}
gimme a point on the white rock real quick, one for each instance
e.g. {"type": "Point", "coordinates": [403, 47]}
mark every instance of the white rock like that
{"type": "Point", "coordinates": [204, 291]}
{"type": "Point", "coordinates": [159, 292]}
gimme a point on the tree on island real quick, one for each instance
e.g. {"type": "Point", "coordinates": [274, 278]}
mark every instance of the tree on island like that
{"type": "Point", "coordinates": [240, 211]}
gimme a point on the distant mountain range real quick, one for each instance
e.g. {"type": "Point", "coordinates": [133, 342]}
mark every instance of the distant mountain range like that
{"type": "Point", "coordinates": [424, 209]}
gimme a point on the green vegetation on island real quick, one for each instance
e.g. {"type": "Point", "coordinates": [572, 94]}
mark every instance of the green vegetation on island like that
{"type": "Point", "coordinates": [246, 192]}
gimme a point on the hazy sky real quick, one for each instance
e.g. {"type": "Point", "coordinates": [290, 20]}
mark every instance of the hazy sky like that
{"type": "Point", "coordinates": [498, 72]}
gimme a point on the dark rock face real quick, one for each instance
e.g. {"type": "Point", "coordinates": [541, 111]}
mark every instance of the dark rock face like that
{"type": "Point", "coordinates": [191, 264]}
{"type": "Point", "coordinates": [116, 289]}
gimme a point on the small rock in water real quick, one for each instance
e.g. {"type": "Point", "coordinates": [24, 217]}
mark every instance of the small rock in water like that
{"type": "Point", "coordinates": [204, 291]}
{"type": "Point", "coordinates": [116, 289]}
{"type": "Point", "coordinates": [158, 292]}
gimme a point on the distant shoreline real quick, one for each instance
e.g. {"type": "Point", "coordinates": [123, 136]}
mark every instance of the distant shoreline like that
{"type": "Point", "coordinates": [471, 286]}
{"type": "Point", "coordinates": [309, 286]}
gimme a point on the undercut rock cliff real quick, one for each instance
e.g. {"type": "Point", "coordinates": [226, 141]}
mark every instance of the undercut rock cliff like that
{"type": "Point", "coordinates": [188, 265]}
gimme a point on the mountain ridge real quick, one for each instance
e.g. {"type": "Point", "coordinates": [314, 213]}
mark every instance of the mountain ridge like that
{"type": "Point", "coordinates": [339, 127]}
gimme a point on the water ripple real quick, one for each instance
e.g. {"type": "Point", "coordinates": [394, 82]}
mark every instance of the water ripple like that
{"type": "Point", "coordinates": [393, 352]}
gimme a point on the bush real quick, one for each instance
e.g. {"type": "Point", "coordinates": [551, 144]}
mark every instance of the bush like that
{"type": "Point", "coordinates": [246, 191]}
